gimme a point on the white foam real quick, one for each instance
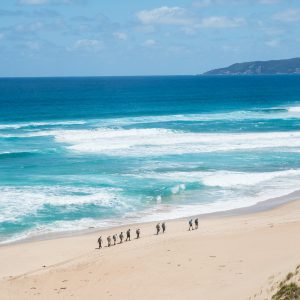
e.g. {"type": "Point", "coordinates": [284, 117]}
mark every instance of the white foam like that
{"type": "Point", "coordinates": [231, 179]}
{"type": "Point", "coordinates": [19, 152]}
{"type": "Point", "coordinates": [226, 199]}
{"type": "Point", "coordinates": [155, 142]}
{"type": "Point", "coordinates": [37, 124]}
{"type": "Point", "coordinates": [223, 179]}
{"type": "Point", "coordinates": [16, 202]}
{"type": "Point", "coordinates": [158, 199]}
{"type": "Point", "coordinates": [178, 188]}
{"type": "Point", "coordinates": [294, 109]}
{"type": "Point", "coordinates": [277, 113]}
{"type": "Point", "coordinates": [282, 113]}
{"type": "Point", "coordinates": [7, 152]}
{"type": "Point", "coordinates": [20, 201]}
{"type": "Point", "coordinates": [157, 212]}
{"type": "Point", "coordinates": [61, 226]}
{"type": "Point", "coordinates": [235, 190]}
{"type": "Point", "coordinates": [273, 184]}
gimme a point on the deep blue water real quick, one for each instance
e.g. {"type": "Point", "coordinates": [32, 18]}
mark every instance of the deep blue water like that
{"type": "Point", "coordinates": [100, 151]}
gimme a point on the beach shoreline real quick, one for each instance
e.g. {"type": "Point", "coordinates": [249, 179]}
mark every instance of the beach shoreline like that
{"type": "Point", "coordinates": [241, 251]}
{"type": "Point", "coordinates": [258, 207]}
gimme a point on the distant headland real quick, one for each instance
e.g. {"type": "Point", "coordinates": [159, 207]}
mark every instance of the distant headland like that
{"type": "Point", "coordinates": [281, 66]}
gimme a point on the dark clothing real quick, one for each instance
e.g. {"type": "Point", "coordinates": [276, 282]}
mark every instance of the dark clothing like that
{"type": "Point", "coordinates": [128, 235]}
{"type": "Point", "coordinates": [115, 239]}
{"type": "Point", "coordinates": [157, 229]}
{"type": "Point", "coordinates": [138, 234]}
{"type": "Point", "coordinates": [163, 226]}
{"type": "Point", "coordinates": [100, 242]}
{"type": "Point", "coordinates": [121, 236]}
{"type": "Point", "coordinates": [191, 225]}
{"type": "Point", "coordinates": [196, 224]}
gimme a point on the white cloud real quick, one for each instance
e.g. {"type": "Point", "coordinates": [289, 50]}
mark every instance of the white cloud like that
{"type": "Point", "coordinates": [269, 1]}
{"type": "Point", "coordinates": [190, 30]}
{"type": "Point", "coordinates": [230, 48]}
{"type": "Point", "coordinates": [40, 2]}
{"type": "Point", "coordinates": [273, 43]}
{"type": "Point", "coordinates": [290, 15]}
{"type": "Point", "coordinates": [178, 50]}
{"type": "Point", "coordinates": [222, 22]}
{"type": "Point", "coordinates": [120, 35]}
{"type": "Point", "coordinates": [206, 3]}
{"type": "Point", "coordinates": [33, 45]}
{"type": "Point", "coordinates": [202, 3]}
{"type": "Point", "coordinates": [273, 31]}
{"type": "Point", "coordinates": [165, 15]}
{"type": "Point", "coordinates": [33, 2]}
{"type": "Point", "coordinates": [179, 16]}
{"type": "Point", "coordinates": [88, 45]}
{"type": "Point", "coordinates": [149, 43]}
{"type": "Point", "coordinates": [30, 27]}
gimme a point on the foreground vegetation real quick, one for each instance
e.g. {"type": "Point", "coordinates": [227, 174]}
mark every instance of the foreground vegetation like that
{"type": "Point", "coordinates": [289, 289]}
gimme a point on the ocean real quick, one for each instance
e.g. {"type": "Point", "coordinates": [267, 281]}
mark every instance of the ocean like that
{"type": "Point", "coordinates": [77, 153]}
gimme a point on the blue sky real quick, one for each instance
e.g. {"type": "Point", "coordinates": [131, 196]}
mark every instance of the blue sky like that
{"type": "Point", "coordinates": [154, 37]}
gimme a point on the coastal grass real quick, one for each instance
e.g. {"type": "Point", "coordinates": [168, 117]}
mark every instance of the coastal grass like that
{"type": "Point", "coordinates": [288, 288]}
{"type": "Point", "coordinates": [289, 291]}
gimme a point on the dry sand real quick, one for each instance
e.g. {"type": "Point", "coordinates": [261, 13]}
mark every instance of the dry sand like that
{"type": "Point", "coordinates": [227, 258]}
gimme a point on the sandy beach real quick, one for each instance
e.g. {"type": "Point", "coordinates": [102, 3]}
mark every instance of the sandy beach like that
{"type": "Point", "coordinates": [119, 115]}
{"type": "Point", "coordinates": [228, 257]}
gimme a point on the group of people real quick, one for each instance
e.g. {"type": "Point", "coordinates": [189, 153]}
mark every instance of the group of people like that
{"type": "Point", "coordinates": [163, 227]}
{"type": "Point", "coordinates": [191, 224]}
{"type": "Point", "coordinates": [121, 238]}
{"type": "Point", "coordinates": [159, 227]}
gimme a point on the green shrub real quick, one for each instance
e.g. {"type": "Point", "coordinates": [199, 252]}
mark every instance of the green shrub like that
{"type": "Point", "coordinates": [288, 292]}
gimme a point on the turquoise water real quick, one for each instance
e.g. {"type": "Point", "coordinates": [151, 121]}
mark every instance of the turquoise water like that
{"type": "Point", "coordinates": [82, 152]}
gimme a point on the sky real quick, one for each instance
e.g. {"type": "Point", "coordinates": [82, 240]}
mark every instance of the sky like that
{"type": "Point", "coordinates": [139, 37]}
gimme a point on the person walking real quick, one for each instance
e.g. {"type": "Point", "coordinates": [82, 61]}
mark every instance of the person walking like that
{"type": "Point", "coordinates": [191, 224]}
{"type": "Point", "coordinates": [196, 223]}
{"type": "Point", "coordinates": [115, 239]}
{"type": "Point", "coordinates": [128, 235]}
{"type": "Point", "coordinates": [138, 233]}
{"type": "Point", "coordinates": [121, 236]}
{"type": "Point", "coordinates": [163, 226]}
{"type": "Point", "coordinates": [157, 228]}
{"type": "Point", "coordinates": [100, 242]}
{"type": "Point", "coordinates": [108, 241]}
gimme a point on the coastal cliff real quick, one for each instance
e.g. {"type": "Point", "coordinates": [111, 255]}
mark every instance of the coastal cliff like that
{"type": "Point", "coordinates": [282, 66]}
